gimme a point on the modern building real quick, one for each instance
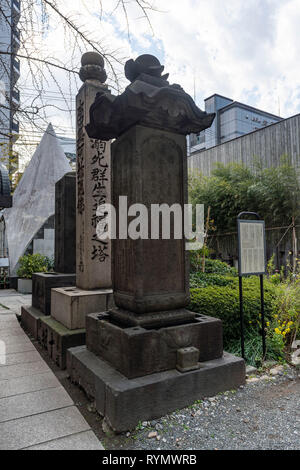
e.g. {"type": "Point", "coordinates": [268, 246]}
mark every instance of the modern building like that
{"type": "Point", "coordinates": [9, 75]}
{"type": "Point", "coordinates": [232, 120]}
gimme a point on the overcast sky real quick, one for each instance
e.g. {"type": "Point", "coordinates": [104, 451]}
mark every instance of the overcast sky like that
{"type": "Point", "coordinates": [245, 50]}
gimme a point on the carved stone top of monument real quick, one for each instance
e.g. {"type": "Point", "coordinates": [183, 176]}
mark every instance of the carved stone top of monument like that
{"type": "Point", "coordinates": [92, 67]}
{"type": "Point", "coordinates": [150, 101]}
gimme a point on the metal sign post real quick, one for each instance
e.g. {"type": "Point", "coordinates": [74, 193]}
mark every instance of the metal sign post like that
{"type": "Point", "coordinates": [252, 261]}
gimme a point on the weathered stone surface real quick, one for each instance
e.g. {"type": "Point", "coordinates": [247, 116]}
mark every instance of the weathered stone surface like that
{"type": "Point", "coordinates": [127, 402]}
{"type": "Point", "coordinates": [57, 339]}
{"type": "Point", "coordinates": [138, 351]}
{"type": "Point", "coordinates": [42, 283]}
{"type": "Point", "coordinates": [149, 167]}
{"type": "Point", "coordinates": [93, 257]}
{"type": "Point", "coordinates": [149, 100]}
{"type": "Point", "coordinates": [70, 305]}
{"type": "Point", "coordinates": [65, 225]}
{"type": "Point", "coordinates": [187, 359]}
{"type": "Point", "coordinates": [30, 318]}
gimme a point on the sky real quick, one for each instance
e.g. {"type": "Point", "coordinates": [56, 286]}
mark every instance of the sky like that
{"type": "Point", "coordinates": [245, 50]}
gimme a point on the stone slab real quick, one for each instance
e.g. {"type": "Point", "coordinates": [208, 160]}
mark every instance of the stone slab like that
{"type": "Point", "coordinates": [125, 402]}
{"type": "Point", "coordinates": [42, 283]}
{"type": "Point", "coordinates": [138, 351]}
{"type": "Point", "coordinates": [19, 346]}
{"type": "Point", "coordinates": [57, 339]}
{"type": "Point", "coordinates": [93, 258]}
{"type": "Point", "coordinates": [65, 224]}
{"type": "Point", "coordinates": [12, 331]}
{"type": "Point", "coordinates": [69, 306]}
{"type": "Point", "coordinates": [82, 441]}
{"type": "Point", "coordinates": [32, 430]}
{"type": "Point", "coordinates": [32, 403]}
{"type": "Point", "coordinates": [30, 320]}
{"type": "Point", "coordinates": [19, 358]}
{"type": "Point", "coordinates": [23, 370]}
{"type": "Point", "coordinates": [31, 383]}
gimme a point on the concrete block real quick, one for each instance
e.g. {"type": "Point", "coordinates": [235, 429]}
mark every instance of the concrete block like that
{"type": "Point", "coordinates": [125, 402]}
{"type": "Point", "coordinates": [30, 318]}
{"type": "Point", "coordinates": [42, 283]}
{"type": "Point", "coordinates": [69, 306]}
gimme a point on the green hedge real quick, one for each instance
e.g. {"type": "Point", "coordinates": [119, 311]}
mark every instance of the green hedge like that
{"type": "Point", "coordinates": [223, 302]}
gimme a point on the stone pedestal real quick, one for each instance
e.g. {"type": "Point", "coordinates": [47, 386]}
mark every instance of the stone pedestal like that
{"type": "Point", "coordinates": [70, 305]}
{"type": "Point", "coordinates": [57, 339]}
{"type": "Point", "coordinates": [30, 320]}
{"type": "Point", "coordinates": [137, 351]}
{"type": "Point", "coordinates": [42, 283]}
{"type": "Point", "coordinates": [125, 402]}
{"type": "Point", "coordinates": [65, 224]}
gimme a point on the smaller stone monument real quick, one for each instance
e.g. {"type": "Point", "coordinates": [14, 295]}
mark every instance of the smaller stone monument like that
{"type": "Point", "coordinates": [64, 260]}
{"type": "Point", "coordinates": [93, 292]}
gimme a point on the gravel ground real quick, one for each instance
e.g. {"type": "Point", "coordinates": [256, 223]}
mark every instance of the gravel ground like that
{"type": "Point", "coordinates": [264, 414]}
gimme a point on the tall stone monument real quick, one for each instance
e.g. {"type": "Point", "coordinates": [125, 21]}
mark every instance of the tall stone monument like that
{"type": "Point", "coordinates": [93, 257]}
{"type": "Point", "coordinates": [64, 259]}
{"type": "Point", "coordinates": [150, 355]}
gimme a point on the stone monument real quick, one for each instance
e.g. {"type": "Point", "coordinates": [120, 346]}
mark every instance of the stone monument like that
{"type": "Point", "coordinates": [69, 306]}
{"type": "Point", "coordinates": [65, 256]}
{"type": "Point", "coordinates": [150, 355]}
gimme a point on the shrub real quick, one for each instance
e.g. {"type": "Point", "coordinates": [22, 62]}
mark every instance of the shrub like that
{"type": "Point", "coordinates": [223, 302]}
{"type": "Point", "coordinates": [29, 264]}
{"type": "Point", "coordinates": [214, 266]}
{"type": "Point", "coordinates": [204, 280]}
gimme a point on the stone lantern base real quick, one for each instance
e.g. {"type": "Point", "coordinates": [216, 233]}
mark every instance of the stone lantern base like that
{"type": "Point", "coordinates": [125, 402]}
{"type": "Point", "coordinates": [139, 373]}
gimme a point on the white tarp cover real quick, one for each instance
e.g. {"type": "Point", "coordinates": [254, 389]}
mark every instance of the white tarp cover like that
{"type": "Point", "coordinates": [34, 197]}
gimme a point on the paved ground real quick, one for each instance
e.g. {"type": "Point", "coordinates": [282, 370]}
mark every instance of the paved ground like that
{"type": "Point", "coordinates": [265, 414]}
{"type": "Point", "coordinates": [36, 412]}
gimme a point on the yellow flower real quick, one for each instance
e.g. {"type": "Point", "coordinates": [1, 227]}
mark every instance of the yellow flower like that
{"type": "Point", "coordinates": [277, 331]}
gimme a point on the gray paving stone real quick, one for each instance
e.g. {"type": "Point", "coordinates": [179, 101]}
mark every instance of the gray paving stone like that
{"type": "Point", "coordinates": [23, 370]}
{"type": "Point", "coordinates": [19, 347]}
{"type": "Point", "coordinates": [31, 383]}
{"type": "Point", "coordinates": [33, 430]}
{"type": "Point", "coordinates": [17, 339]}
{"type": "Point", "coordinates": [32, 403]}
{"type": "Point", "coordinates": [19, 358]}
{"type": "Point", "coordinates": [11, 332]}
{"type": "Point", "coordinates": [8, 322]}
{"type": "Point", "coordinates": [83, 441]}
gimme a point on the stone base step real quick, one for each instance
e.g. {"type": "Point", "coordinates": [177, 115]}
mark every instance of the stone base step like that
{"type": "Point", "coordinates": [125, 402]}
{"type": "Point", "coordinates": [57, 339]}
